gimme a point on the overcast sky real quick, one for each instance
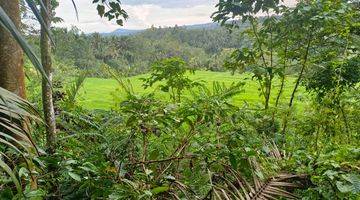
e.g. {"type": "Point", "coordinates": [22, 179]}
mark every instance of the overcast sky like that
{"type": "Point", "coordinates": [143, 14]}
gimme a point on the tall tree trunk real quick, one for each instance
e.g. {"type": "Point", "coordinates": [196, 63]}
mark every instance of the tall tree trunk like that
{"type": "Point", "coordinates": [12, 76]}
{"type": "Point", "coordinates": [47, 99]}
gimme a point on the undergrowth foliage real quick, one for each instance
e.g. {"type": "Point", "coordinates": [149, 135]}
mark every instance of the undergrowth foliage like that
{"type": "Point", "coordinates": [200, 145]}
{"type": "Point", "coordinates": [203, 147]}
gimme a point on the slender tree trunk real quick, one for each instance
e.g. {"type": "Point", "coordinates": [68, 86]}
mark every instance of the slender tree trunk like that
{"type": "Point", "coordinates": [12, 76]}
{"type": "Point", "coordinates": [283, 76]}
{"type": "Point", "coordinates": [346, 123]}
{"type": "Point", "coordinates": [297, 84]}
{"type": "Point", "coordinates": [282, 86]}
{"type": "Point", "coordinates": [299, 79]}
{"type": "Point", "coordinates": [267, 92]}
{"type": "Point", "coordinates": [47, 98]}
{"type": "Point", "coordinates": [262, 55]}
{"type": "Point", "coordinates": [270, 73]}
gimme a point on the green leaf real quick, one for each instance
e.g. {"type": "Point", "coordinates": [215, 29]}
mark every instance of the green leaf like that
{"type": "Point", "coordinates": [233, 161]}
{"type": "Point", "coordinates": [71, 162]}
{"type": "Point", "coordinates": [74, 176]}
{"type": "Point", "coordinates": [170, 178]}
{"type": "Point", "coordinates": [120, 22]}
{"type": "Point", "coordinates": [354, 180]}
{"type": "Point", "coordinates": [331, 174]}
{"type": "Point", "coordinates": [343, 188]}
{"type": "Point", "coordinates": [160, 189]}
{"type": "Point", "coordinates": [154, 154]}
{"type": "Point", "coordinates": [148, 172]}
{"type": "Point", "coordinates": [6, 194]}
{"type": "Point", "coordinates": [8, 170]}
{"type": "Point", "coordinates": [101, 10]}
{"type": "Point", "coordinates": [23, 172]}
{"type": "Point", "coordinates": [36, 194]}
{"type": "Point", "coordinates": [147, 193]}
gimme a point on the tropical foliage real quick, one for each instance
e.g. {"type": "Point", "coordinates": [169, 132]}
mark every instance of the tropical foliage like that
{"type": "Point", "coordinates": [198, 144]}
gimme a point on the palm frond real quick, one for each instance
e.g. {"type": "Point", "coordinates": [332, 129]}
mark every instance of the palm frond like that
{"type": "Point", "coordinates": [76, 10]}
{"type": "Point", "coordinates": [272, 188]}
{"type": "Point", "coordinates": [232, 185]}
{"type": "Point", "coordinates": [15, 115]}
{"type": "Point", "coordinates": [75, 87]}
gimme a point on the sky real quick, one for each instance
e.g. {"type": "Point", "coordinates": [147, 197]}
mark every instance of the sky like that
{"type": "Point", "coordinates": [142, 14]}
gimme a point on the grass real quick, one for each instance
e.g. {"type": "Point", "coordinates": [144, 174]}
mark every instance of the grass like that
{"type": "Point", "coordinates": [100, 93]}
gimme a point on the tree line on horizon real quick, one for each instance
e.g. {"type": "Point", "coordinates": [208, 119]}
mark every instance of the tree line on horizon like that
{"type": "Point", "coordinates": [204, 49]}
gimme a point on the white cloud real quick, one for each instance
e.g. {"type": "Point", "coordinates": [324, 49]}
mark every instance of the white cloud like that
{"type": "Point", "coordinates": [142, 15]}
{"type": "Point", "coordinates": [89, 21]}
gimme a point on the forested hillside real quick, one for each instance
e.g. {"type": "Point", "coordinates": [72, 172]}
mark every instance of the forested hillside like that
{"type": "Point", "coordinates": [202, 48]}
{"type": "Point", "coordinates": [262, 105]}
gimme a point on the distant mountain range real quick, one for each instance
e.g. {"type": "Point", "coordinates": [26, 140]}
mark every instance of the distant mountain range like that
{"type": "Point", "coordinates": [127, 32]}
{"type": "Point", "coordinates": [122, 32]}
{"type": "Point", "coordinates": [207, 26]}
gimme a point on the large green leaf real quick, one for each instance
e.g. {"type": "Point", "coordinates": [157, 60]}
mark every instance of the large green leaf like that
{"type": "Point", "coordinates": [6, 22]}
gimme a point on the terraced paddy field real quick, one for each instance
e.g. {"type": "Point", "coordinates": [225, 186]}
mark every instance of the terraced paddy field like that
{"type": "Point", "coordinates": [105, 94]}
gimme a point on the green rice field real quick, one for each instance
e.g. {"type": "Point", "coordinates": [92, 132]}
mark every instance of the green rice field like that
{"type": "Point", "coordinates": [98, 93]}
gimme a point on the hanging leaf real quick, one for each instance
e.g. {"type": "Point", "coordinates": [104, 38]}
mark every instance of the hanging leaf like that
{"type": "Point", "coordinates": [101, 10]}
{"type": "Point", "coordinates": [74, 176]}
